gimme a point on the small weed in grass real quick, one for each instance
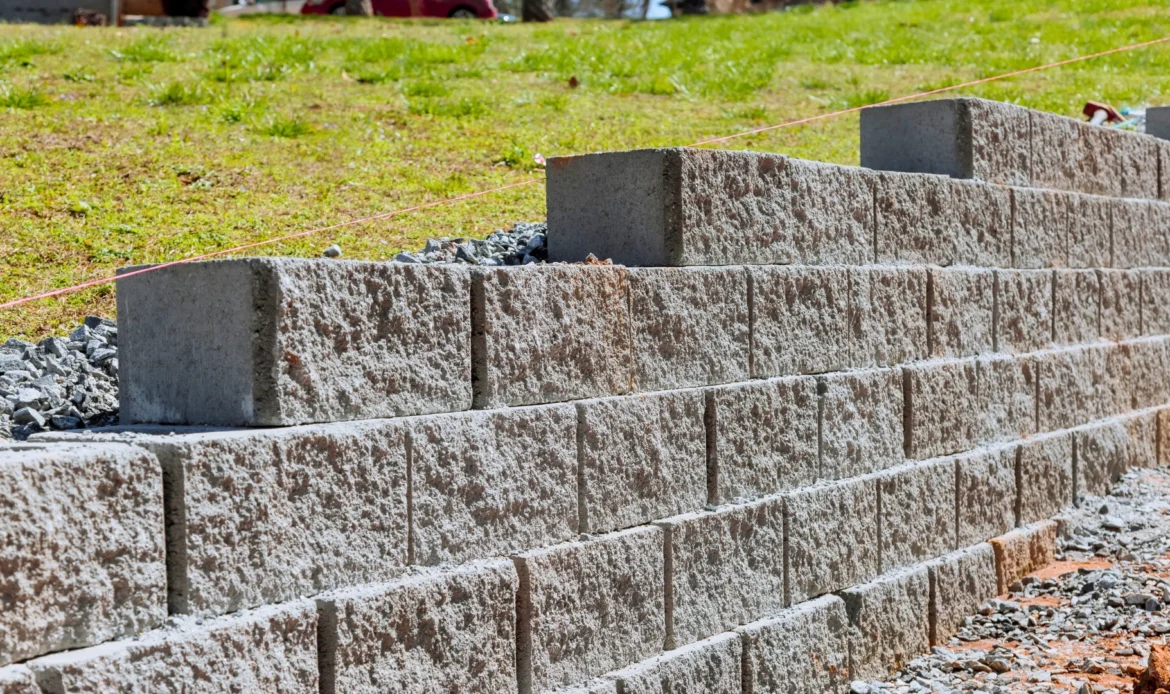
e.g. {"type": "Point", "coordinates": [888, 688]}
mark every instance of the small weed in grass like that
{"type": "Point", "coordinates": [11, 97]}
{"type": "Point", "coordinates": [148, 49]}
{"type": "Point", "coordinates": [461, 108]}
{"type": "Point", "coordinates": [866, 97]}
{"type": "Point", "coordinates": [748, 113]}
{"type": "Point", "coordinates": [425, 89]}
{"type": "Point", "coordinates": [80, 74]}
{"type": "Point", "coordinates": [815, 83]}
{"type": "Point", "coordinates": [288, 128]}
{"type": "Point", "coordinates": [21, 51]}
{"type": "Point", "coordinates": [378, 50]}
{"type": "Point", "coordinates": [177, 94]}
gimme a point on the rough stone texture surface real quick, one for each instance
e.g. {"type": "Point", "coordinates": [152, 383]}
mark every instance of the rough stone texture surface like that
{"type": "Point", "coordinates": [586, 608]}
{"type": "Point", "coordinates": [1077, 307]}
{"type": "Point", "coordinates": [17, 679]}
{"type": "Point", "coordinates": [917, 512]}
{"type": "Point", "coordinates": [487, 483]}
{"type": "Point", "coordinates": [1045, 477]}
{"type": "Point", "coordinates": [1136, 239]}
{"type": "Point", "coordinates": [800, 320]}
{"type": "Point", "coordinates": [1157, 239]}
{"type": "Point", "coordinates": [1008, 387]}
{"type": "Point", "coordinates": [761, 438]}
{"type": "Point", "coordinates": [690, 326]}
{"type": "Point", "coordinates": [861, 422]}
{"type": "Point", "coordinates": [916, 221]}
{"type": "Point", "coordinates": [641, 457]}
{"type": "Point", "coordinates": [453, 631]}
{"type": "Point", "coordinates": [1142, 432]}
{"type": "Point", "coordinates": [942, 408]}
{"type": "Point", "coordinates": [1089, 232]}
{"type": "Point", "coordinates": [81, 546]}
{"type": "Point", "coordinates": [1131, 379]}
{"type": "Point", "coordinates": [986, 499]}
{"type": "Point", "coordinates": [802, 649]}
{"type": "Point", "coordinates": [548, 333]}
{"type": "Point", "coordinates": [1163, 170]}
{"type": "Point", "coordinates": [1121, 317]}
{"type": "Point", "coordinates": [712, 666]}
{"type": "Point", "coordinates": [984, 214]}
{"type": "Point", "coordinates": [1138, 155]}
{"type": "Point", "coordinates": [598, 685]}
{"type": "Point", "coordinates": [1072, 387]}
{"type": "Point", "coordinates": [1025, 319]}
{"type": "Point", "coordinates": [1101, 457]}
{"type": "Point", "coordinates": [272, 650]}
{"type": "Point", "coordinates": [889, 622]}
{"type": "Point", "coordinates": [1039, 228]}
{"type": "Point", "coordinates": [889, 316]}
{"type": "Point", "coordinates": [1070, 155]}
{"type": "Point", "coordinates": [1155, 302]}
{"type": "Point", "coordinates": [1023, 551]}
{"type": "Point", "coordinates": [282, 341]}
{"type": "Point", "coordinates": [962, 312]}
{"type": "Point", "coordinates": [959, 583]}
{"type": "Point", "coordinates": [725, 569]}
{"type": "Point", "coordinates": [832, 537]}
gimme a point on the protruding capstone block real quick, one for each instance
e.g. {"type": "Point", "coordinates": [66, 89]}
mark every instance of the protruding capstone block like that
{"type": "Point", "coordinates": [1023, 551]}
{"type": "Point", "coordinates": [832, 537]}
{"type": "Point", "coordinates": [1046, 479]}
{"type": "Point", "coordinates": [962, 312]}
{"type": "Point", "coordinates": [959, 583]}
{"type": "Point", "coordinates": [1024, 321]}
{"type": "Point", "coordinates": [889, 622]}
{"type": "Point", "coordinates": [861, 422]}
{"type": "Point", "coordinates": [943, 408]}
{"type": "Point", "coordinates": [917, 503]}
{"type": "Point", "coordinates": [81, 545]}
{"type": "Point", "coordinates": [802, 649]}
{"type": "Point", "coordinates": [889, 316]}
{"type": "Point", "coordinates": [1076, 306]}
{"type": "Point", "coordinates": [800, 320]}
{"type": "Point", "coordinates": [282, 341]}
{"type": "Point", "coordinates": [986, 500]}
{"type": "Point", "coordinates": [713, 665]}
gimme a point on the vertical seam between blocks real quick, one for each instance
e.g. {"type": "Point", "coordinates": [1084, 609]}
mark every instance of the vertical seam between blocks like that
{"type": "Point", "coordinates": [930, 299]}
{"type": "Point", "coordinates": [670, 642]}
{"type": "Point", "coordinates": [582, 505]}
{"type": "Point", "coordinates": [907, 413]}
{"type": "Point", "coordinates": [1076, 465]}
{"type": "Point", "coordinates": [880, 527]}
{"type": "Point", "coordinates": [751, 310]}
{"type": "Point", "coordinates": [326, 647]}
{"type": "Point", "coordinates": [480, 387]}
{"type": "Point", "coordinates": [408, 443]}
{"type": "Point", "coordinates": [523, 626]}
{"type": "Point", "coordinates": [1019, 500]}
{"type": "Point", "coordinates": [784, 514]}
{"type": "Point", "coordinates": [995, 310]}
{"type": "Point", "coordinates": [711, 427]}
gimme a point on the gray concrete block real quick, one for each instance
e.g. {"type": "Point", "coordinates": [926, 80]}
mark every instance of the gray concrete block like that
{"type": "Point", "coordinates": [986, 499]}
{"type": "Point", "coordinates": [761, 438]}
{"type": "Point", "coordinates": [17, 679]}
{"type": "Point", "coordinates": [1072, 155]}
{"type": "Point", "coordinates": [641, 457]}
{"type": "Point", "coordinates": [1133, 376]}
{"type": "Point", "coordinates": [550, 333]}
{"type": "Point", "coordinates": [861, 416]}
{"type": "Point", "coordinates": [984, 214]}
{"type": "Point", "coordinates": [959, 583]}
{"type": "Point", "coordinates": [1045, 477]}
{"type": "Point", "coordinates": [889, 316]}
{"type": "Point", "coordinates": [1040, 222]}
{"type": "Point", "coordinates": [690, 326]}
{"type": "Point", "coordinates": [1163, 148]}
{"type": "Point", "coordinates": [1077, 309]}
{"type": "Point", "coordinates": [433, 631]}
{"type": "Point", "coordinates": [1121, 317]}
{"type": "Point", "coordinates": [1142, 432]}
{"type": "Point", "coordinates": [960, 138]}
{"type": "Point", "coordinates": [1137, 157]}
{"type": "Point", "coordinates": [1100, 458]}
{"type": "Point", "coordinates": [1133, 234]}
{"type": "Point", "coordinates": [724, 569]}
{"type": "Point", "coordinates": [804, 649]}
{"type": "Point", "coordinates": [832, 537]}
{"type": "Point", "coordinates": [484, 484]}
{"type": "Point", "coordinates": [83, 544]}
{"type": "Point", "coordinates": [597, 685]}
{"type": "Point", "coordinates": [942, 408]}
{"type": "Point", "coordinates": [1090, 231]}
{"type": "Point", "coordinates": [708, 207]}
{"type": "Point", "coordinates": [1159, 239]}
{"type": "Point", "coordinates": [1025, 305]}
{"type": "Point", "coordinates": [889, 622]}
{"type": "Point", "coordinates": [1158, 122]}
{"type": "Point", "coordinates": [713, 665]}
{"type": "Point", "coordinates": [1155, 301]}
{"type": "Point", "coordinates": [1008, 391]}
{"type": "Point", "coordinates": [586, 608]}
{"type": "Point", "coordinates": [282, 341]}
{"type": "Point", "coordinates": [961, 312]}
{"type": "Point", "coordinates": [916, 220]}
{"type": "Point", "coordinates": [1072, 389]}
{"type": "Point", "coordinates": [917, 510]}
{"type": "Point", "coordinates": [272, 650]}
{"type": "Point", "coordinates": [800, 320]}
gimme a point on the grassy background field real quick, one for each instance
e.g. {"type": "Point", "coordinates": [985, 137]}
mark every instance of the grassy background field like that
{"type": "Point", "coordinates": [121, 146]}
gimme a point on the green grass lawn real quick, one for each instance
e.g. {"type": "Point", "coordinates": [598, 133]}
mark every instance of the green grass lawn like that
{"type": "Point", "coordinates": [122, 146]}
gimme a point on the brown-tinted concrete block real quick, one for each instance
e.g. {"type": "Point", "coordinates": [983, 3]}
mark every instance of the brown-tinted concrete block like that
{"type": "Point", "coordinates": [1024, 321]}
{"type": "Point", "coordinates": [1121, 315]}
{"type": "Point", "coordinates": [1039, 228]}
{"type": "Point", "coordinates": [1076, 306]}
{"type": "Point", "coordinates": [1023, 551]}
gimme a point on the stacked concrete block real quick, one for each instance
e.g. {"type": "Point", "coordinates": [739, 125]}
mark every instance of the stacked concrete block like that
{"type": "Point", "coordinates": [713, 665]}
{"type": "Point", "coordinates": [690, 326]}
{"type": "Point", "coordinates": [550, 333]}
{"type": "Point", "coordinates": [942, 407]}
{"type": "Point", "coordinates": [889, 622]}
{"type": "Point", "coordinates": [1023, 551]}
{"type": "Point", "coordinates": [1008, 391]}
{"type": "Point", "coordinates": [81, 545]}
{"type": "Point", "coordinates": [800, 320]}
{"type": "Point", "coordinates": [281, 341]}
{"type": "Point", "coordinates": [1090, 232]}
{"type": "Point", "coordinates": [888, 318]}
{"type": "Point", "coordinates": [1142, 432]}
{"type": "Point", "coordinates": [1072, 387]}
{"type": "Point", "coordinates": [1072, 155]}
{"type": "Point", "coordinates": [1040, 228]}
{"type": "Point", "coordinates": [1100, 457]}
{"type": "Point", "coordinates": [962, 312]}
{"type": "Point", "coordinates": [1131, 223]}
{"type": "Point", "coordinates": [1121, 309]}
{"type": "Point", "coordinates": [1155, 302]}
{"type": "Point", "coordinates": [861, 415]}
{"type": "Point", "coordinates": [1077, 305]}
{"type": "Point", "coordinates": [1163, 170]}
{"type": "Point", "coordinates": [986, 494]}
{"type": "Point", "coordinates": [1131, 370]}
{"type": "Point", "coordinates": [1045, 477]}
{"type": "Point", "coordinates": [436, 631]}
{"type": "Point", "coordinates": [832, 537]}
{"type": "Point", "coordinates": [802, 649]}
{"type": "Point", "coordinates": [587, 608]}
{"type": "Point", "coordinates": [916, 512]}
{"type": "Point", "coordinates": [959, 583]}
{"type": "Point", "coordinates": [18, 679]}
{"type": "Point", "coordinates": [1024, 313]}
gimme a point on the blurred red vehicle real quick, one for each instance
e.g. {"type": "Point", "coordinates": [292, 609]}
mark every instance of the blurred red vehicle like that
{"type": "Point", "coordinates": [460, 9]}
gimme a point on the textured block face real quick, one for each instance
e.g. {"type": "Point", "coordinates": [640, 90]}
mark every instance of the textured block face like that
{"type": "Point", "coordinates": [1159, 241]}
{"type": "Point", "coordinates": [1132, 376]}
{"type": "Point", "coordinates": [762, 437]}
{"type": "Point", "coordinates": [802, 649]}
{"type": "Point", "coordinates": [1045, 477]}
{"type": "Point", "coordinates": [1023, 551]}
{"type": "Point", "coordinates": [487, 483]}
{"type": "Point", "coordinates": [943, 408]}
{"type": "Point", "coordinates": [986, 498]}
{"type": "Point", "coordinates": [268, 341]}
{"type": "Point", "coordinates": [690, 326]}
{"type": "Point", "coordinates": [1039, 228]}
{"type": "Point", "coordinates": [1142, 432]}
{"type": "Point", "coordinates": [727, 568]}
{"type": "Point", "coordinates": [1065, 157]}
{"type": "Point", "coordinates": [1077, 307]}
{"type": "Point", "coordinates": [550, 333]}
{"type": "Point", "coordinates": [1163, 169]}
{"type": "Point", "coordinates": [959, 583]}
{"type": "Point", "coordinates": [962, 312]}
{"type": "Point", "coordinates": [1133, 238]}
{"type": "Point", "coordinates": [889, 622]}
{"type": "Point", "coordinates": [917, 503]}
{"type": "Point", "coordinates": [17, 679]}
{"type": "Point", "coordinates": [916, 220]}
{"type": "Point", "coordinates": [832, 537]}
{"type": "Point", "coordinates": [1121, 317]}
{"type": "Point", "coordinates": [82, 546]}
{"type": "Point", "coordinates": [800, 320]}
{"type": "Point", "coordinates": [585, 609]}
{"type": "Point", "coordinates": [272, 650]}
{"type": "Point", "coordinates": [984, 214]}
{"type": "Point", "coordinates": [1101, 458]}
{"type": "Point", "coordinates": [1072, 387]}
{"type": "Point", "coordinates": [642, 457]}
{"type": "Point", "coordinates": [1089, 231]}
{"type": "Point", "coordinates": [889, 316]}
{"type": "Point", "coordinates": [1155, 302]}
{"type": "Point", "coordinates": [1025, 310]}
{"type": "Point", "coordinates": [708, 666]}
{"type": "Point", "coordinates": [861, 422]}
{"type": "Point", "coordinates": [1008, 394]}
{"type": "Point", "coordinates": [452, 631]}
{"type": "Point", "coordinates": [1137, 157]}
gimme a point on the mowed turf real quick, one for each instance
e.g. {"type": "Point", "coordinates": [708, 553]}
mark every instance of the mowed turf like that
{"type": "Point", "coordinates": [125, 146]}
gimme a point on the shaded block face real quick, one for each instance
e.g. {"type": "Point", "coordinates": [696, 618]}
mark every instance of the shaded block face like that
{"type": "Point", "coordinates": [917, 503]}
{"type": "Point", "coordinates": [1023, 551]}
{"type": "Point", "coordinates": [1072, 387]}
{"type": "Point", "coordinates": [916, 220]}
{"type": "Point", "coordinates": [959, 583]}
{"type": "Point", "coordinates": [984, 214]}
{"type": "Point", "coordinates": [1158, 122]}
{"type": "Point", "coordinates": [1089, 232]}
{"type": "Point", "coordinates": [1163, 170]}
{"type": "Point", "coordinates": [1025, 310]}
{"type": "Point", "coordinates": [1045, 477]}
{"type": "Point", "coordinates": [986, 496]}
{"type": "Point", "coordinates": [1121, 317]}
{"type": "Point", "coordinates": [889, 622]}
{"type": "Point", "coordinates": [1007, 393]}
{"type": "Point", "coordinates": [82, 546]}
{"type": "Point", "coordinates": [587, 608]}
{"type": "Point", "coordinates": [832, 537]}
{"type": "Point", "coordinates": [861, 422]}
{"type": "Point", "coordinates": [487, 483]}
{"type": "Point", "coordinates": [641, 457]}
{"type": "Point", "coordinates": [802, 649]}
{"type": "Point", "coordinates": [943, 408]}
{"type": "Point", "coordinates": [690, 326]}
{"type": "Point", "coordinates": [551, 333]}
{"type": "Point", "coordinates": [962, 312]}
{"type": "Point", "coordinates": [711, 666]}
{"type": "Point", "coordinates": [1155, 302]}
{"type": "Point", "coordinates": [1101, 458]}
{"type": "Point", "coordinates": [1039, 228]}
{"type": "Point", "coordinates": [1132, 378]}
{"type": "Point", "coordinates": [800, 320]}
{"type": "Point", "coordinates": [272, 650]}
{"type": "Point", "coordinates": [889, 316]}
{"type": "Point", "coordinates": [1142, 432]}
{"type": "Point", "coordinates": [1077, 305]}
{"type": "Point", "coordinates": [449, 631]}
{"type": "Point", "coordinates": [282, 341]}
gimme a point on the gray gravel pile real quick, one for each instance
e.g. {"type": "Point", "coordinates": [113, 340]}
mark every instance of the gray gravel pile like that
{"type": "Point", "coordinates": [60, 383]}
{"type": "Point", "coordinates": [523, 244]}
{"type": "Point", "coordinates": [1087, 630]}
